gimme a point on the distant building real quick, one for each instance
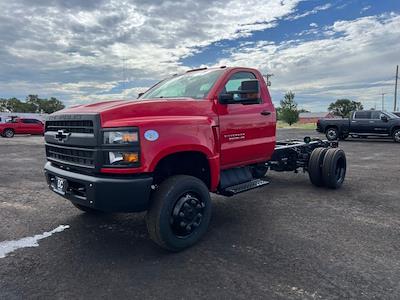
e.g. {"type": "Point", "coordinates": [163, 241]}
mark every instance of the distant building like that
{"type": "Point", "coordinates": [5, 116]}
{"type": "Point", "coordinates": [313, 117]}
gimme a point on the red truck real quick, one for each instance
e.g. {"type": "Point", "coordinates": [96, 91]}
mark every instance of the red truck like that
{"type": "Point", "coordinates": [21, 126]}
{"type": "Point", "coordinates": [207, 130]}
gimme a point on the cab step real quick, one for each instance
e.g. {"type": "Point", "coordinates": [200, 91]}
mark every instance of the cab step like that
{"type": "Point", "coordinates": [243, 187]}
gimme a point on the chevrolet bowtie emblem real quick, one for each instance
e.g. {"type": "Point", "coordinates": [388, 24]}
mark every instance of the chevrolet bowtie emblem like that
{"type": "Point", "coordinates": [62, 136]}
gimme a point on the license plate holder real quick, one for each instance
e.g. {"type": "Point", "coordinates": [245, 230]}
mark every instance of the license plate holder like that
{"type": "Point", "coordinates": [60, 185]}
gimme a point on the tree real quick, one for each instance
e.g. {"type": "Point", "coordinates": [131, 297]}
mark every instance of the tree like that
{"type": "Point", "coordinates": [289, 112]}
{"type": "Point", "coordinates": [343, 107]}
{"type": "Point", "coordinates": [33, 104]}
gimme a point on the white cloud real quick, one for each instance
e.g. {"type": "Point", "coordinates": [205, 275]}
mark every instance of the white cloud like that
{"type": "Point", "coordinates": [364, 9]}
{"type": "Point", "coordinates": [310, 12]}
{"type": "Point", "coordinates": [356, 60]}
{"type": "Point", "coordinates": [57, 44]}
{"type": "Point", "coordinates": [80, 50]}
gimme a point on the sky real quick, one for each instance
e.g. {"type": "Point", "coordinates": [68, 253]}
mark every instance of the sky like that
{"type": "Point", "coordinates": [96, 50]}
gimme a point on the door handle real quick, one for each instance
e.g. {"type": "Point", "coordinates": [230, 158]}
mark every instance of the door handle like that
{"type": "Point", "coordinates": [265, 113]}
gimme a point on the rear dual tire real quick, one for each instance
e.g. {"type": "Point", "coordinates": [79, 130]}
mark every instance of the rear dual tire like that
{"type": "Point", "coordinates": [327, 167]}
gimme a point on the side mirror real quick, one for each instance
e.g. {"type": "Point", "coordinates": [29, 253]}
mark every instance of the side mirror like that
{"type": "Point", "coordinates": [384, 118]}
{"type": "Point", "coordinates": [249, 87]}
{"type": "Point", "coordinates": [249, 94]}
{"type": "Point", "coordinates": [226, 98]}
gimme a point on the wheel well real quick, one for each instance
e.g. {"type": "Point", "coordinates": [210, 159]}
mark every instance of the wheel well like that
{"type": "Point", "coordinates": [8, 129]}
{"type": "Point", "coordinates": [183, 163]}
{"type": "Point", "coordinates": [394, 129]}
{"type": "Point", "coordinates": [331, 126]}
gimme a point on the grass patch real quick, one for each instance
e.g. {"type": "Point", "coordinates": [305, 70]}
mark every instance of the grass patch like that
{"type": "Point", "coordinates": [281, 124]}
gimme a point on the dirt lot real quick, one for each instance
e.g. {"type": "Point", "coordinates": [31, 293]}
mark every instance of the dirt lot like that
{"type": "Point", "coordinates": [288, 240]}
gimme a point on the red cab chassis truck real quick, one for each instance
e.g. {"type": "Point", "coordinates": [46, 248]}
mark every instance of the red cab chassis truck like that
{"type": "Point", "coordinates": [207, 130]}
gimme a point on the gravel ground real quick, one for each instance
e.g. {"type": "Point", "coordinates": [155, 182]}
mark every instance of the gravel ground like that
{"type": "Point", "coordinates": [288, 240]}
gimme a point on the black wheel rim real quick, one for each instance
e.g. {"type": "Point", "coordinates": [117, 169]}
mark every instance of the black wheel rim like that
{"type": "Point", "coordinates": [187, 215]}
{"type": "Point", "coordinates": [340, 170]}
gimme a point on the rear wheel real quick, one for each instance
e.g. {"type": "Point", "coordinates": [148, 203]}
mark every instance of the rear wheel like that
{"type": "Point", "coordinates": [314, 166]}
{"type": "Point", "coordinates": [180, 212]}
{"type": "Point", "coordinates": [8, 133]}
{"type": "Point", "coordinates": [332, 134]}
{"type": "Point", "coordinates": [334, 168]}
{"type": "Point", "coordinates": [396, 135]}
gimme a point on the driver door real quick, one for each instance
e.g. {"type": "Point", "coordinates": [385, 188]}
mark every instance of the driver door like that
{"type": "Point", "coordinates": [247, 132]}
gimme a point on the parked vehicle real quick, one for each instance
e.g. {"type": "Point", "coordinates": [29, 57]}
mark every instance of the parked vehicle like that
{"type": "Point", "coordinates": [362, 123]}
{"type": "Point", "coordinates": [208, 130]}
{"type": "Point", "coordinates": [21, 126]}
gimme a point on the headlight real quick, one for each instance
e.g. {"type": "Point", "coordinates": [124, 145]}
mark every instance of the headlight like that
{"type": "Point", "coordinates": [123, 158]}
{"type": "Point", "coordinates": [120, 137]}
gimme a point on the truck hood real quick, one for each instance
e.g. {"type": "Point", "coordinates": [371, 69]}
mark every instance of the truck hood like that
{"type": "Point", "coordinates": [119, 112]}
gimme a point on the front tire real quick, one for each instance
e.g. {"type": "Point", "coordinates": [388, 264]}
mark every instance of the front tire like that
{"type": "Point", "coordinates": [332, 134]}
{"type": "Point", "coordinates": [180, 212]}
{"type": "Point", "coordinates": [8, 133]}
{"type": "Point", "coordinates": [396, 135]}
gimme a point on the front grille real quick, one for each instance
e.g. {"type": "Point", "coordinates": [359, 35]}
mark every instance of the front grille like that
{"type": "Point", "coordinates": [73, 126]}
{"type": "Point", "coordinates": [81, 157]}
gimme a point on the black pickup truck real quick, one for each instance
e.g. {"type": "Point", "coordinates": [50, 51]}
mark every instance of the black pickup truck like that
{"type": "Point", "coordinates": [362, 123]}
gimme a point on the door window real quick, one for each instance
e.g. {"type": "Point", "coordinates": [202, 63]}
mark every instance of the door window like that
{"type": "Point", "coordinates": [235, 81]}
{"type": "Point", "coordinates": [362, 115]}
{"type": "Point", "coordinates": [376, 115]}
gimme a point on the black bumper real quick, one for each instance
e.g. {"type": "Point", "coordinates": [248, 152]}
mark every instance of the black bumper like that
{"type": "Point", "coordinates": [108, 194]}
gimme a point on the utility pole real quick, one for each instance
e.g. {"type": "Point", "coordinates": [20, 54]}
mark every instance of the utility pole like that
{"type": "Point", "coordinates": [395, 89]}
{"type": "Point", "coordinates": [383, 100]}
{"type": "Point", "coordinates": [267, 76]}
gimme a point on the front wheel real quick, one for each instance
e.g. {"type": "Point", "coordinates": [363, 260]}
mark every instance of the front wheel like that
{"type": "Point", "coordinates": [8, 133]}
{"type": "Point", "coordinates": [180, 212]}
{"type": "Point", "coordinates": [332, 134]}
{"type": "Point", "coordinates": [396, 135]}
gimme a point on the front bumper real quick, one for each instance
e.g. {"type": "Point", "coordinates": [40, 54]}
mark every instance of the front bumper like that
{"type": "Point", "coordinates": [108, 194]}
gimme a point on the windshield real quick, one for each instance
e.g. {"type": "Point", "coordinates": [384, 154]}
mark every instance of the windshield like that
{"type": "Point", "coordinates": [393, 116]}
{"type": "Point", "coordinates": [194, 85]}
